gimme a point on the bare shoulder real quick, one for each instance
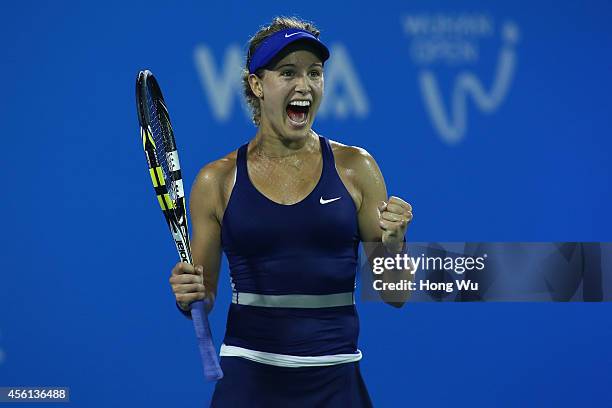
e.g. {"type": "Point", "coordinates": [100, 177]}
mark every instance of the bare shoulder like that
{"type": "Point", "coordinates": [355, 161]}
{"type": "Point", "coordinates": [358, 171]}
{"type": "Point", "coordinates": [213, 184]}
{"type": "Point", "coordinates": [217, 172]}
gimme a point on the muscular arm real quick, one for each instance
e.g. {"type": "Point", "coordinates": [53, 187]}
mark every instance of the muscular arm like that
{"type": "Point", "coordinates": [206, 207]}
{"type": "Point", "coordinates": [206, 231]}
{"type": "Point", "coordinates": [370, 183]}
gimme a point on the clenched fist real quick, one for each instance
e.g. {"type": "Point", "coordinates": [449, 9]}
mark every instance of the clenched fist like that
{"type": "Point", "coordinates": [393, 218]}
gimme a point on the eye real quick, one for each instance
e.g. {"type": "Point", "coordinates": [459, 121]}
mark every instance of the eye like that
{"type": "Point", "coordinates": [286, 73]}
{"type": "Point", "coordinates": [315, 74]}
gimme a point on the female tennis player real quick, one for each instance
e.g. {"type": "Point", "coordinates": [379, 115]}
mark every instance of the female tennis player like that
{"type": "Point", "coordinates": [289, 209]}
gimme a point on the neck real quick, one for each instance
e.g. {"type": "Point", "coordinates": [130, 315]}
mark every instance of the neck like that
{"type": "Point", "coordinates": [270, 144]}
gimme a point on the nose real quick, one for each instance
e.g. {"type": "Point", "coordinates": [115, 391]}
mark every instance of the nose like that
{"type": "Point", "coordinates": [302, 85]}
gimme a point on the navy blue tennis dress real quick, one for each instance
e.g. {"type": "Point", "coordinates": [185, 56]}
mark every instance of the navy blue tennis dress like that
{"type": "Point", "coordinates": [292, 327]}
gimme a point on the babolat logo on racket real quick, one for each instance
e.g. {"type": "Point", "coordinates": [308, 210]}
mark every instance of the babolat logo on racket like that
{"type": "Point", "coordinates": [182, 251]}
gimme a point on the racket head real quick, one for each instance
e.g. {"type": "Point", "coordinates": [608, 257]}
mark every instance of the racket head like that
{"type": "Point", "coordinates": [159, 145]}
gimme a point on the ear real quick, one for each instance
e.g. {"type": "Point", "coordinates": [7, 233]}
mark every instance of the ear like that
{"type": "Point", "coordinates": [256, 85]}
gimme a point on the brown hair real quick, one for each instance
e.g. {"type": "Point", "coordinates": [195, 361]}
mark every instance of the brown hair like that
{"type": "Point", "coordinates": [277, 24]}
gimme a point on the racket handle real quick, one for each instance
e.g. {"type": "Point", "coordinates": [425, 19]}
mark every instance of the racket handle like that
{"type": "Point", "coordinates": [210, 361]}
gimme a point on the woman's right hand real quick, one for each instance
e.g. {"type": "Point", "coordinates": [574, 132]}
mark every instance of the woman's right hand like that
{"type": "Point", "coordinates": [187, 284]}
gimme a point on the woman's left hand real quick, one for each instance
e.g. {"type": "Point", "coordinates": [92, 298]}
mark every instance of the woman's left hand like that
{"type": "Point", "coordinates": [393, 218]}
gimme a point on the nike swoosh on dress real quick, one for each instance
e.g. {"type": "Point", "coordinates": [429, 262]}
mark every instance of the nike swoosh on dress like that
{"type": "Point", "coordinates": [323, 201]}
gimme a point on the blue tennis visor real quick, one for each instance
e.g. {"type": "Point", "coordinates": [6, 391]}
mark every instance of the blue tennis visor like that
{"type": "Point", "coordinates": [279, 40]}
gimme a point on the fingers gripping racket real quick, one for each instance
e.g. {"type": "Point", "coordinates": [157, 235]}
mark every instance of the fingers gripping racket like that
{"type": "Point", "coordinates": [165, 171]}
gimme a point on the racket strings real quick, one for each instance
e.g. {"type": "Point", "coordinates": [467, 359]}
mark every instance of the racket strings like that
{"type": "Point", "coordinates": [162, 139]}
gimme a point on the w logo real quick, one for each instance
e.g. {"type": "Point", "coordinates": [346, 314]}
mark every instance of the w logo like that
{"type": "Point", "coordinates": [461, 46]}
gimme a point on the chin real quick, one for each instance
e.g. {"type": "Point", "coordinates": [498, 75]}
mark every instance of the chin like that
{"type": "Point", "coordinates": [298, 134]}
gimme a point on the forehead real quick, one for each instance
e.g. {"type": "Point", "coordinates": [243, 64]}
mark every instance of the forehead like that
{"type": "Point", "coordinates": [298, 54]}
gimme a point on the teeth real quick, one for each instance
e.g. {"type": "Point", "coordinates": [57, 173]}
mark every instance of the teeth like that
{"type": "Point", "coordinates": [300, 103]}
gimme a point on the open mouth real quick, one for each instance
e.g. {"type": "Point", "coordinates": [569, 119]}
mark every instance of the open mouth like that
{"type": "Point", "coordinates": [297, 112]}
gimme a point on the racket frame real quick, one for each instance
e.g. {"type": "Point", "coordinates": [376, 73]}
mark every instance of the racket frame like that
{"type": "Point", "coordinates": [171, 199]}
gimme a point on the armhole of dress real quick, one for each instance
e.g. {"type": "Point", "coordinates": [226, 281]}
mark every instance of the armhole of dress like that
{"type": "Point", "coordinates": [240, 163]}
{"type": "Point", "coordinates": [233, 189]}
{"type": "Point", "coordinates": [332, 160]}
{"type": "Point", "coordinates": [329, 163]}
{"type": "Point", "coordinates": [333, 168]}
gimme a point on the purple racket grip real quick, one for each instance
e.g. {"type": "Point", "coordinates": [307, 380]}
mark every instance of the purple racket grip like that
{"type": "Point", "coordinates": [210, 361]}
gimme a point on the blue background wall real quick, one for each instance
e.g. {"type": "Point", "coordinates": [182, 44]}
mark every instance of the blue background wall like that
{"type": "Point", "coordinates": [84, 296]}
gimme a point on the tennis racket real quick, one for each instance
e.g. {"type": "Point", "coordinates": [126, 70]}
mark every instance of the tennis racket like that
{"type": "Point", "coordinates": [165, 171]}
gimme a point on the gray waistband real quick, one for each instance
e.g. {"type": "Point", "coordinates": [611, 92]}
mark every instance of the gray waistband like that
{"type": "Point", "coordinates": [301, 301]}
